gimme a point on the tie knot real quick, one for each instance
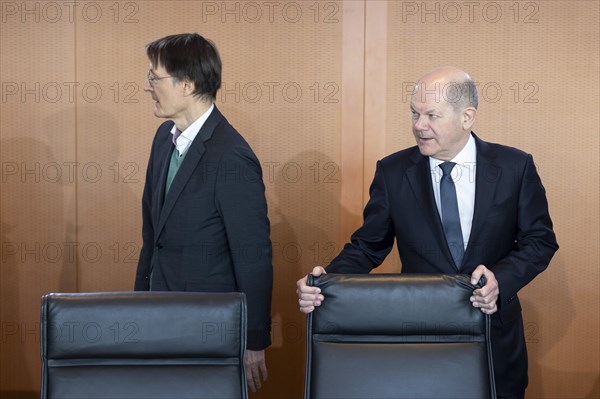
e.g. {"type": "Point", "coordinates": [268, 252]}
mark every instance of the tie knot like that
{"type": "Point", "coordinates": [176, 136]}
{"type": "Point", "coordinates": [447, 167]}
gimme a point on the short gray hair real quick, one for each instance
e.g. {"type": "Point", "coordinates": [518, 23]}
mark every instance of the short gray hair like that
{"type": "Point", "coordinates": [462, 94]}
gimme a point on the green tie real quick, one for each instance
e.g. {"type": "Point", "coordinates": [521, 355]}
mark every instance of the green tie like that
{"type": "Point", "coordinates": [174, 165]}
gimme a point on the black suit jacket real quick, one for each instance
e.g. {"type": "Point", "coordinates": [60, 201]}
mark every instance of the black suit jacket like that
{"type": "Point", "coordinates": [210, 232]}
{"type": "Point", "coordinates": [511, 234]}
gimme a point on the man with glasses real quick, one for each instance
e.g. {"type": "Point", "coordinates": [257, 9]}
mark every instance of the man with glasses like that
{"type": "Point", "coordinates": [205, 225]}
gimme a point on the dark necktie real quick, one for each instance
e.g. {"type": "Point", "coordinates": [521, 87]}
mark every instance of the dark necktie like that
{"type": "Point", "coordinates": [450, 215]}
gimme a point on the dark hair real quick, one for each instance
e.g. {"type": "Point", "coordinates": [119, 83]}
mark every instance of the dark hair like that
{"type": "Point", "coordinates": [189, 56]}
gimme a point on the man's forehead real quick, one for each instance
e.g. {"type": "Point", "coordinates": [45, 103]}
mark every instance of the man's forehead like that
{"type": "Point", "coordinates": [431, 100]}
{"type": "Point", "coordinates": [424, 108]}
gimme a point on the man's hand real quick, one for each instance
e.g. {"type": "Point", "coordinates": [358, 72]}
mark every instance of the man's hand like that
{"type": "Point", "coordinates": [485, 297]}
{"type": "Point", "coordinates": [309, 297]}
{"type": "Point", "coordinates": [255, 368]}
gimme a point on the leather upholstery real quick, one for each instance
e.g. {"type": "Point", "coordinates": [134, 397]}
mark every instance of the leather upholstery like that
{"type": "Point", "coordinates": [397, 336]}
{"type": "Point", "coordinates": [143, 345]}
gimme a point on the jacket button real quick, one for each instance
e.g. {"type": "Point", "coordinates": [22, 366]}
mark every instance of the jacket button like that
{"type": "Point", "coordinates": [158, 246]}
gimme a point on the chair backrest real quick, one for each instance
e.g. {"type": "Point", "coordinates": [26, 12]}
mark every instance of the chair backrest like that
{"type": "Point", "coordinates": [143, 345]}
{"type": "Point", "coordinates": [397, 336]}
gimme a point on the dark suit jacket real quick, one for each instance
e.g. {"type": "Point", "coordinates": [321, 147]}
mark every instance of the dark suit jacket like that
{"type": "Point", "coordinates": [210, 232]}
{"type": "Point", "coordinates": [511, 234]}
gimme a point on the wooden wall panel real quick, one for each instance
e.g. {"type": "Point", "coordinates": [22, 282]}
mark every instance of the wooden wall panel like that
{"type": "Point", "coordinates": [37, 134]}
{"type": "Point", "coordinates": [115, 128]}
{"type": "Point", "coordinates": [376, 110]}
{"type": "Point", "coordinates": [353, 122]}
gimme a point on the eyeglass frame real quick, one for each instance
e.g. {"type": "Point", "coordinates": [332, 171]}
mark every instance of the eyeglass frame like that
{"type": "Point", "coordinates": [152, 78]}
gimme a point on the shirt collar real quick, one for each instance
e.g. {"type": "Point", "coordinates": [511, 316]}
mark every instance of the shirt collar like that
{"type": "Point", "coordinates": [192, 130]}
{"type": "Point", "coordinates": [467, 156]}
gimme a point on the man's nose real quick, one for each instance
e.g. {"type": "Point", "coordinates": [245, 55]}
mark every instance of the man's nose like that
{"type": "Point", "coordinates": [147, 85]}
{"type": "Point", "coordinates": [421, 123]}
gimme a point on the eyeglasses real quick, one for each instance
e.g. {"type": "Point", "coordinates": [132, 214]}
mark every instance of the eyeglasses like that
{"type": "Point", "coordinates": [153, 78]}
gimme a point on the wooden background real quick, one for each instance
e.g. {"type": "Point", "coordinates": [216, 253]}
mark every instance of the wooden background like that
{"type": "Point", "coordinates": [320, 89]}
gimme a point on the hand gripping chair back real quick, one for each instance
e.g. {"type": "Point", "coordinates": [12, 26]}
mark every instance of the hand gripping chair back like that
{"type": "Point", "coordinates": [398, 336]}
{"type": "Point", "coordinates": [143, 345]}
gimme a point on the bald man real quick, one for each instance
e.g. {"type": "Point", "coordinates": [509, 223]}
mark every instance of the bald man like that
{"type": "Point", "coordinates": [493, 221]}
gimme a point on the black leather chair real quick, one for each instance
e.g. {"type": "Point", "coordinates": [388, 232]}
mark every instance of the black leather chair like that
{"type": "Point", "coordinates": [126, 345]}
{"type": "Point", "coordinates": [397, 336]}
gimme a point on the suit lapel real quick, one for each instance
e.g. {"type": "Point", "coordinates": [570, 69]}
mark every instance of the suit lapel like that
{"type": "Point", "coordinates": [189, 164]}
{"type": "Point", "coordinates": [419, 177]}
{"type": "Point", "coordinates": [487, 176]}
{"type": "Point", "coordinates": [164, 153]}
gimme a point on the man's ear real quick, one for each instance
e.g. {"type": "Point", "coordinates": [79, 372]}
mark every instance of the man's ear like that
{"type": "Point", "coordinates": [468, 117]}
{"type": "Point", "coordinates": [188, 87]}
